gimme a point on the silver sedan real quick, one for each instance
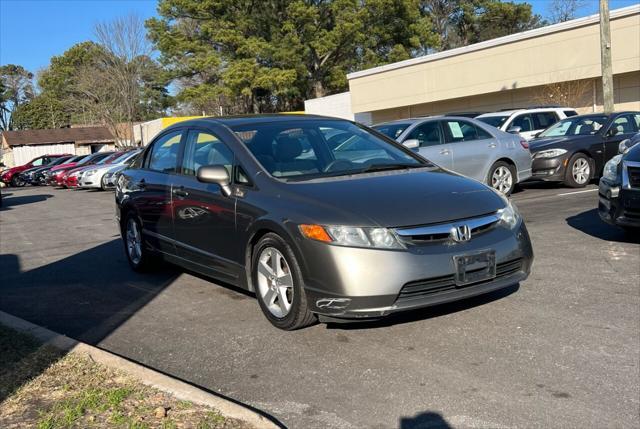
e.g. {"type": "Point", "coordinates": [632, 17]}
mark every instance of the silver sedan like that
{"type": "Point", "coordinates": [466, 146]}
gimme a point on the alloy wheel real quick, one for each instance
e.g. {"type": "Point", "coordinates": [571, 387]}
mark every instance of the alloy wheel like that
{"type": "Point", "coordinates": [134, 241]}
{"type": "Point", "coordinates": [581, 171]}
{"type": "Point", "coordinates": [502, 179]}
{"type": "Point", "coordinates": [275, 282]}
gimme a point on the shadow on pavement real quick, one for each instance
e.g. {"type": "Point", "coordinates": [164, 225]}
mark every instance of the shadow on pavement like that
{"type": "Point", "coordinates": [9, 200]}
{"type": "Point", "coordinates": [427, 312]}
{"type": "Point", "coordinates": [425, 420]}
{"type": "Point", "coordinates": [590, 223]}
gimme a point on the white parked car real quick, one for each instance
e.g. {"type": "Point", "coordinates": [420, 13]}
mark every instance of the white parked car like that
{"type": "Point", "coordinates": [526, 122]}
{"type": "Point", "coordinates": [92, 177]}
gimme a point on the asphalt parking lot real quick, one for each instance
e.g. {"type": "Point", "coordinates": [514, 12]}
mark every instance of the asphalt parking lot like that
{"type": "Point", "coordinates": [562, 349]}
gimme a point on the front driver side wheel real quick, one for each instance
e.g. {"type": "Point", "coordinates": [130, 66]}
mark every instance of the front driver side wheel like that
{"type": "Point", "coordinates": [278, 284]}
{"type": "Point", "coordinates": [139, 256]}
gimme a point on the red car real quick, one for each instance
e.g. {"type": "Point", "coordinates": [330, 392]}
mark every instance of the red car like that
{"type": "Point", "coordinates": [52, 175]}
{"type": "Point", "coordinates": [70, 178]}
{"type": "Point", "coordinates": [61, 176]}
{"type": "Point", "coordinates": [12, 175]}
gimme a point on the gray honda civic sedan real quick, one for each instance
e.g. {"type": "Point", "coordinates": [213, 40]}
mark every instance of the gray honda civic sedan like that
{"type": "Point", "coordinates": [317, 216]}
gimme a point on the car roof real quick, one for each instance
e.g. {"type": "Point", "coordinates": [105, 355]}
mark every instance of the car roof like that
{"type": "Point", "coordinates": [233, 121]}
{"type": "Point", "coordinates": [533, 110]}
{"type": "Point", "coordinates": [422, 118]}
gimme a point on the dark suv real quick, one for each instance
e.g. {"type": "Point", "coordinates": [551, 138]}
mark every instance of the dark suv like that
{"type": "Point", "coordinates": [358, 229]}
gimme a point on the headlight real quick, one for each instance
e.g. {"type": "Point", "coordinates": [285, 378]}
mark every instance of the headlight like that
{"type": "Point", "coordinates": [509, 215]}
{"type": "Point", "coordinates": [550, 153]}
{"type": "Point", "coordinates": [91, 172]}
{"type": "Point", "coordinates": [611, 168]}
{"type": "Point", "coordinates": [380, 238]}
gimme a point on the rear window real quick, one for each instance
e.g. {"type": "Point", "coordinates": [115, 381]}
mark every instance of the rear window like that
{"type": "Point", "coordinates": [392, 130]}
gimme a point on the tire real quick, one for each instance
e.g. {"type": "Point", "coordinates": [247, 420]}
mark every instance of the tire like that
{"type": "Point", "coordinates": [139, 256]}
{"type": "Point", "coordinates": [280, 291]}
{"type": "Point", "coordinates": [17, 182]}
{"type": "Point", "coordinates": [579, 171]}
{"type": "Point", "coordinates": [502, 177]}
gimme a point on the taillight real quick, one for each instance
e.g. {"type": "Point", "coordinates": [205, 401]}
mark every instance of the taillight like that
{"type": "Point", "coordinates": [524, 143]}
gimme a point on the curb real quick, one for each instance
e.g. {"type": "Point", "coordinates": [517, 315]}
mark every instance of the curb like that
{"type": "Point", "coordinates": [147, 376]}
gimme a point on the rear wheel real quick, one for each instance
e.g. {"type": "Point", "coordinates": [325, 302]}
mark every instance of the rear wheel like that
{"type": "Point", "coordinates": [139, 256]}
{"type": "Point", "coordinates": [578, 173]}
{"type": "Point", "coordinates": [278, 284]}
{"type": "Point", "coordinates": [502, 177]}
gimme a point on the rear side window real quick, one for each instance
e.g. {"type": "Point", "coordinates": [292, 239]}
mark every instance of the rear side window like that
{"type": "Point", "coordinates": [461, 131]}
{"type": "Point", "coordinates": [570, 113]}
{"type": "Point", "coordinates": [164, 153]}
{"type": "Point", "coordinates": [543, 120]}
{"type": "Point", "coordinates": [626, 124]}
{"type": "Point", "coordinates": [428, 134]}
{"type": "Point", "coordinates": [204, 148]}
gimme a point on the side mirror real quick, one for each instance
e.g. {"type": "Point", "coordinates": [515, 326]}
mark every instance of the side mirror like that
{"type": "Point", "coordinates": [625, 145]}
{"type": "Point", "coordinates": [411, 143]}
{"type": "Point", "coordinates": [215, 174]}
{"type": "Point", "coordinates": [514, 130]}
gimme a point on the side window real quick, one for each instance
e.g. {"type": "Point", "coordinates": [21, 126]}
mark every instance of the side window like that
{"type": "Point", "coordinates": [204, 148]}
{"type": "Point", "coordinates": [570, 113]}
{"type": "Point", "coordinates": [38, 162]}
{"type": "Point", "coordinates": [482, 134]}
{"type": "Point", "coordinates": [460, 131]}
{"type": "Point", "coordinates": [625, 124]}
{"type": "Point", "coordinates": [428, 134]}
{"type": "Point", "coordinates": [543, 120]}
{"type": "Point", "coordinates": [524, 122]}
{"type": "Point", "coordinates": [163, 156]}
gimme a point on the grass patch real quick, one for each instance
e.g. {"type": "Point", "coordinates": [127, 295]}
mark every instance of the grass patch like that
{"type": "Point", "coordinates": [41, 387]}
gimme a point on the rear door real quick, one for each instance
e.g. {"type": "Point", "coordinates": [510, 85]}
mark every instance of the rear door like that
{"type": "Point", "coordinates": [203, 216]}
{"type": "Point", "coordinates": [432, 143]}
{"type": "Point", "coordinates": [473, 149]}
{"type": "Point", "coordinates": [527, 127]}
{"type": "Point", "coordinates": [151, 186]}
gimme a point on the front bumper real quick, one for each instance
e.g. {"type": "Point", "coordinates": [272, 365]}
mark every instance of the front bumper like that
{"type": "Point", "coordinates": [351, 283]}
{"type": "Point", "coordinates": [549, 169]}
{"type": "Point", "coordinates": [617, 205]}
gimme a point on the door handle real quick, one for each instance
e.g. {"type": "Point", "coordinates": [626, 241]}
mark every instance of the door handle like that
{"type": "Point", "coordinates": [180, 192]}
{"type": "Point", "coordinates": [492, 145]}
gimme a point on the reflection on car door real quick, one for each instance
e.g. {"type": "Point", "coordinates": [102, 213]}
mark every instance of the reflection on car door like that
{"type": "Point", "coordinates": [204, 217]}
{"type": "Point", "coordinates": [626, 125]}
{"type": "Point", "coordinates": [473, 149]}
{"type": "Point", "coordinates": [152, 196]}
{"type": "Point", "coordinates": [432, 144]}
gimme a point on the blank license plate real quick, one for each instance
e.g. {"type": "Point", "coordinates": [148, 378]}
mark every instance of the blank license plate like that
{"type": "Point", "coordinates": [475, 267]}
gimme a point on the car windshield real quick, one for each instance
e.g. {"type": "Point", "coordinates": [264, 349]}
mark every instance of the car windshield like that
{"type": "Point", "coordinates": [494, 121]}
{"type": "Point", "coordinates": [126, 157]}
{"type": "Point", "coordinates": [322, 148]}
{"type": "Point", "coordinates": [109, 159]}
{"type": "Point", "coordinates": [60, 160]}
{"type": "Point", "coordinates": [392, 130]}
{"type": "Point", "coordinates": [83, 160]}
{"type": "Point", "coordinates": [575, 126]}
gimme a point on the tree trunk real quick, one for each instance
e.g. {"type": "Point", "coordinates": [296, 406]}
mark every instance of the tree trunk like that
{"type": "Point", "coordinates": [318, 89]}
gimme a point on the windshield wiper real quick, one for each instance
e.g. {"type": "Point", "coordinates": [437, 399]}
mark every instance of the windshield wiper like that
{"type": "Point", "coordinates": [385, 167]}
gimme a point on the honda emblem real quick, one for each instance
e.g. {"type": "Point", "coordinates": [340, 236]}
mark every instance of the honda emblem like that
{"type": "Point", "coordinates": [461, 233]}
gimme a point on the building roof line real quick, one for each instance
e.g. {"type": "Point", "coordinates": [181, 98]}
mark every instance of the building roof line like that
{"type": "Point", "coordinates": [537, 32]}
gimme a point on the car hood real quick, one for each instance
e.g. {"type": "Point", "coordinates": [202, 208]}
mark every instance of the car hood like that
{"type": "Point", "coordinates": [13, 170]}
{"type": "Point", "coordinates": [393, 199]}
{"type": "Point", "coordinates": [63, 166]}
{"type": "Point", "coordinates": [537, 145]}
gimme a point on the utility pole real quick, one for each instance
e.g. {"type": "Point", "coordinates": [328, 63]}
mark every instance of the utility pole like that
{"type": "Point", "coordinates": [605, 55]}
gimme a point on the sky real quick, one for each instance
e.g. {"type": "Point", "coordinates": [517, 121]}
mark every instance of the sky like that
{"type": "Point", "coordinates": [32, 31]}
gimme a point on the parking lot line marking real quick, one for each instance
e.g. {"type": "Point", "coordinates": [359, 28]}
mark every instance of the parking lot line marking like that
{"type": "Point", "coordinates": [577, 192]}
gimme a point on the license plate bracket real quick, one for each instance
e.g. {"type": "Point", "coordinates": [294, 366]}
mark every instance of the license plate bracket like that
{"type": "Point", "coordinates": [474, 267]}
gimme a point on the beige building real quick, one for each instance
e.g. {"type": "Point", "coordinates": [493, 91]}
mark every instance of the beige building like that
{"type": "Point", "coordinates": [558, 64]}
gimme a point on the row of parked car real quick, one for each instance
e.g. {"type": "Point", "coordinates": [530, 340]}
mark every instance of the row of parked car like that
{"type": "Point", "coordinates": [94, 171]}
{"type": "Point", "coordinates": [505, 148]}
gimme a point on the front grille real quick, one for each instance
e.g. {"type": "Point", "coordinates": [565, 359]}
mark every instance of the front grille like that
{"type": "Point", "coordinates": [634, 176]}
{"type": "Point", "coordinates": [435, 285]}
{"type": "Point", "coordinates": [442, 231]}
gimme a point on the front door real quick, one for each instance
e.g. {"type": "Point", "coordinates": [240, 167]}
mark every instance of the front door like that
{"type": "Point", "coordinates": [432, 144]}
{"type": "Point", "coordinates": [203, 216]}
{"type": "Point", "coordinates": [152, 190]}
{"type": "Point", "coordinates": [472, 148]}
